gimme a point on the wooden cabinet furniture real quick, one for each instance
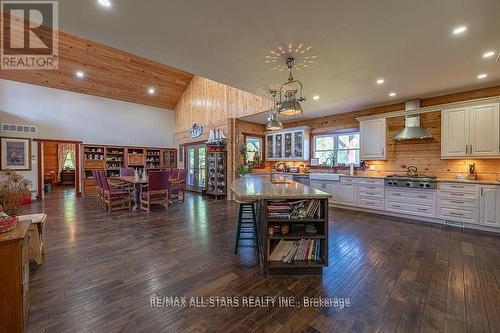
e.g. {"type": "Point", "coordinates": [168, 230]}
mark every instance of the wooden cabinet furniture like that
{"type": "Point", "coordinates": [112, 158]}
{"type": "Point", "coordinates": [68, 177]}
{"type": "Point", "coordinates": [35, 236]}
{"type": "Point", "coordinates": [291, 144]}
{"type": "Point", "coordinates": [371, 193]}
{"type": "Point", "coordinates": [471, 130]}
{"type": "Point", "coordinates": [14, 279]}
{"type": "Point", "coordinates": [216, 163]}
{"type": "Point", "coordinates": [373, 141]}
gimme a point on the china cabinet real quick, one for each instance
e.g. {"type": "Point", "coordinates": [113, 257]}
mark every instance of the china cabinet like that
{"type": "Point", "coordinates": [290, 144]}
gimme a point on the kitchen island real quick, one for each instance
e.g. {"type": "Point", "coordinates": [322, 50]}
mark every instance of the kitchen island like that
{"type": "Point", "coordinates": [292, 224]}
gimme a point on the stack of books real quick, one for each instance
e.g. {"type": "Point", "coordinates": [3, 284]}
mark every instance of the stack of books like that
{"type": "Point", "coordinates": [279, 210]}
{"type": "Point", "coordinates": [303, 249]}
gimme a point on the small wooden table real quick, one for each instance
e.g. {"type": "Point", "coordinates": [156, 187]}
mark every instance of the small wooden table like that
{"type": "Point", "coordinates": [35, 234]}
{"type": "Point", "coordinates": [136, 182]}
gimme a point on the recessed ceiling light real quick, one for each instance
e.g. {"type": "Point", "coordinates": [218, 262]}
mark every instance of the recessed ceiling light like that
{"type": "Point", "coordinates": [105, 3]}
{"type": "Point", "coordinates": [392, 94]}
{"type": "Point", "coordinates": [488, 54]}
{"type": "Point", "coordinates": [482, 76]}
{"type": "Point", "coordinates": [80, 74]}
{"type": "Point", "coordinates": [316, 97]}
{"type": "Point", "coordinates": [459, 30]}
{"type": "Point", "coordinates": [151, 90]}
{"type": "Point", "coordinates": [380, 81]}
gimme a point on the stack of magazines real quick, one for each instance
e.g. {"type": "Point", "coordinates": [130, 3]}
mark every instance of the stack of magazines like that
{"type": "Point", "coordinates": [303, 249]}
{"type": "Point", "coordinates": [279, 210]}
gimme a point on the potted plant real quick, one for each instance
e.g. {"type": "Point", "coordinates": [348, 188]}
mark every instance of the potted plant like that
{"type": "Point", "coordinates": [13, 189]}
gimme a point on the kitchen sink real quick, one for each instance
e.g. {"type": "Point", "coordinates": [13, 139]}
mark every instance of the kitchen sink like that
{"type": "Point", "coordinates": [325, 176]}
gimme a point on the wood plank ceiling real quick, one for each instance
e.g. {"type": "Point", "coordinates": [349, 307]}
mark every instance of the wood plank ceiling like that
{"type": "Point", "coordinates": [109, 72]}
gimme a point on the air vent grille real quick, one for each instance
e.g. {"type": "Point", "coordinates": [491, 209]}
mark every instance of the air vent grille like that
{"type": "Point", "coordinates": [19, 128]}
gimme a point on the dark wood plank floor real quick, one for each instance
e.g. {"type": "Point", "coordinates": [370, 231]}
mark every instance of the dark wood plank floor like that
{"type": "Point", "coordinates": [101, 270]}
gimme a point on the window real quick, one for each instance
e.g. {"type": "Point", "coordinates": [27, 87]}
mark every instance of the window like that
{"type": "Point", "coordinates": [254, 150]}
{"type": "Point", "coordinates": [342, 148]}
{"type": "Point", "coordinates": [69, 161]}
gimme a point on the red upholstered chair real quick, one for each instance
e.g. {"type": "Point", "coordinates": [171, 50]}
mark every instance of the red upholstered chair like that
{"type": "Point", "coordinates": [175, 174]}
{"type": "Point", "coordinates": [98, 187]}
{"type": "Point", "coordinates": [126, 172]}
{"type": "Point", "coordinates": [156, 191]}
{"type": "Point", "coordinates": [179, 185]}
{"type": "Point", "coordinates": [114, 198]}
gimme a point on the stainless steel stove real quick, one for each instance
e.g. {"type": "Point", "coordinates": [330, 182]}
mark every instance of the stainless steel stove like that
{"type": "Point", "coordinates": [410, 181]}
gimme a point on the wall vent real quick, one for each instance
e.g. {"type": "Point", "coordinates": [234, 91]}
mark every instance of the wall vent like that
{"type": "Point", "coordinates": [19, 128]}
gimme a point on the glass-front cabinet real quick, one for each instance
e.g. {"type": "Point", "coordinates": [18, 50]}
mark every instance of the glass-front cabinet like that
{"type": "Point", "coordinates": [288, 144]}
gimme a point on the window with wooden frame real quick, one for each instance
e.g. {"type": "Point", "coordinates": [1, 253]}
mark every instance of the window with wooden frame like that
{"type": "Point", "coordinates": [343, 148]}
{"type": "Point", "coordinates": [254, 150]}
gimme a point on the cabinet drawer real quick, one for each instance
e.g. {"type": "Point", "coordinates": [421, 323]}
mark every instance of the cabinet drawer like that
{"type": "Point", "coordinates": [371, 181]}
{"type": "Point", "coordinates": [416, 197]}
{"type": "Point", "coordinates": [458, 186]}
{"type": "Point", "coordinates": [407, 208]}
{"type": "Point", "coordinates": [373, 203]}
{"type": "Point", "coordinates": [371, 193]}
{"type": "Point", "coordinates": [463, 215]}
{"type": "Point", "coordinates": [93, 164]}
{"type": "Point", "coordinates": [458, 203]}
{"type": "Point", "coordinates": [458, 195]}
{"type": "Point", "coordinates": [349, 180]}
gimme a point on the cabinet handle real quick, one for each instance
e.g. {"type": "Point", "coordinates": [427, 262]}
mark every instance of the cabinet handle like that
{"type": "Point", "coordinates": [383, 151]}
{"type": "Point", "coordinates": [456, 186]}
{"type": "Point", "coordinates": [457, 202]}
{"type": "Point", "coordinates": [397, 206]}
{"type": "Point", "coordinates": [457, 194]}
{"type": "Point", "coordinates": [481, 192]}
{"type": "Point", "coordinates": [422, 209]}
{"type": "Point", "coordinates": [456, 214]}
{"type": "Point", "coordinates": [421, 196]}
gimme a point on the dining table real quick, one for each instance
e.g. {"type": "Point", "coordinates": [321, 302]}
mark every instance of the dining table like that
{"type": "Point", "coordinates": [137, 183]}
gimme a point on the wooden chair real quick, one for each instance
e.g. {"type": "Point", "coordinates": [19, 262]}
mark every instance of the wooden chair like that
{"type": "Point", "coordinates": [174, 175]}
{"type": "Point", "coordinates": [156, 191]}
{"type": "Point", "coordinates": [98, 187]}
{"type": "Point", "coordinates": [178, 185]}
{"type": "Point", "coordinates": [50, 177]}
{"type": "Point", "coordinates": [124, 172]}
{"type": "Point", "coordinates": [247, 224]}
{"type": "Point", "coordinates": [114, 198]}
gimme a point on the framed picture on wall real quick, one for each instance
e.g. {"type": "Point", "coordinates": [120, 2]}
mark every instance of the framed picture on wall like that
{"type": "Point", "coordinates": [15, 153]}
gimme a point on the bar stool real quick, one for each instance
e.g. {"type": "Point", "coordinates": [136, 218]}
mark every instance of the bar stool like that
{"type": "Point", "coordinates": [247, 223]}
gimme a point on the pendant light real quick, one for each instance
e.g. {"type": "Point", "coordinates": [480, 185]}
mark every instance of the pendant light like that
{"type": "Point", "coordinates": [273, 124]}
{"type": "Point", "coordinates": [289, 103]}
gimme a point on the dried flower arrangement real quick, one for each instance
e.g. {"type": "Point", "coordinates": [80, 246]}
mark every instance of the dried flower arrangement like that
{"type": "Point", "coordinates": [13, 189]}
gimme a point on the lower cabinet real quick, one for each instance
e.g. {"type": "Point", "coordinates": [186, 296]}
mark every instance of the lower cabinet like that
{"type": "Point", "coordinates": [489, 206]}
{"type": "Point", "coordinates": [411, 201]}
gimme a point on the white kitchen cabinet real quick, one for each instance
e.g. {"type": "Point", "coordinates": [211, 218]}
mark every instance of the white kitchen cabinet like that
{"type": "Point", "coordinates": [484, 130]}
{"type": "Point", "coordinates": [489, 206]}
{"type": "Point", "coordinates": [420, 202]}
{"type": "Point", "coordinates": [373, 139]}
{"type": "Point", "coordinates": [470, 131]}
{"type": "Point", "coordinates": [291, 144]}
{"type": "Point", "coordinates": [349, 191]}
{"type": "Point", "coordinates": [332, 187]}
{"type": "Point", "coordinates": [458, 202]}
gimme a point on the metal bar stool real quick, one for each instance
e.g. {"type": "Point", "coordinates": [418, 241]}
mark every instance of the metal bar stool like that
{"type": "Point", "coordinates": [247, 224]}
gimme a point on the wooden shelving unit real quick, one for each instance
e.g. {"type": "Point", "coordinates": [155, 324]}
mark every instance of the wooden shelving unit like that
{"type": "Point", "coordinates": [153, 159]}
{"type": "Point", "coordinates": [216, 163]}
{"type": "Point", "coordinates": [112, 158]}
{"type": "Point", "coordinates": [296, 232]}
{"type": "Point", "coordinates": [169, 158]}
{"type": "Point", "coordinates": [115, 159]}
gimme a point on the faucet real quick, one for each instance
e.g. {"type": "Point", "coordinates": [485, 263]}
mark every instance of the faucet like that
{"type": "Point", "coordinates": [330, 170]}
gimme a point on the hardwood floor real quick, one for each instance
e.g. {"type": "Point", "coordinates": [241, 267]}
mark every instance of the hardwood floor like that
{"type": "Point", "coordinates": [101, 270]}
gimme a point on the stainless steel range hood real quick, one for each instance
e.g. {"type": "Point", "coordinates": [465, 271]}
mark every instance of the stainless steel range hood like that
{"type": "Point", "coordinates": [412, 128]}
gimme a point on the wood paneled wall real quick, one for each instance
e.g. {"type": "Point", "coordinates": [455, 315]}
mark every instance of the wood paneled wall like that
{"type": "Point", "coordinates": [109, 72]}
{"type": "Point", "coordinates": [211, 104]}
{"type": "Point", "coordinates": [425, 155]}
{"type": "Point", "coordinates": [50, 158]}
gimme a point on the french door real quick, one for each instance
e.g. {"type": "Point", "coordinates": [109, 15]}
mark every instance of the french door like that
{"type": "Point", "coordinates": [196, 167]}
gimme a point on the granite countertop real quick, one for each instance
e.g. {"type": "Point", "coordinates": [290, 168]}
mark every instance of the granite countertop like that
{"type": "Point", "coordinates": [261, 188]}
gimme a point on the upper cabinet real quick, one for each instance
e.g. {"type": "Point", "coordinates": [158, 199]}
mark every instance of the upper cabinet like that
{"type": "Point", "coordinates": [373, 139]}
{"type": "Point", "coordinates": [470, 131]}
{"type": "Point", "coordinates": [290, 144]}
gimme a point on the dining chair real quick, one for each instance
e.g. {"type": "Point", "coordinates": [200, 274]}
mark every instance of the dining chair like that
{"type": "Point", "coordinates": [174, 174]}
{"type": "Point", "coordinates": [126, 172]}
{"type": "Point", "coordinates": [98, 187]}
{"type": "Point", "coordinates": [179, 185]}
{"type": "Point", "coordinates": [156, 191]}
{"type": "Point", "coordinates": [114, 198]}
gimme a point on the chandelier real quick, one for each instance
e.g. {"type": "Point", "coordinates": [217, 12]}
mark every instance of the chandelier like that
{"type": "Point", "coordinates": [291, 94]}
{"type": "Point", "coordinates": [273, 124]}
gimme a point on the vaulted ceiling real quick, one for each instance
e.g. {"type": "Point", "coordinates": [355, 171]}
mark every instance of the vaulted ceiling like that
{"type": "Point", "coordinates": [108, 72]}
{"type": "Point", "coordinates": [408, 43]}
